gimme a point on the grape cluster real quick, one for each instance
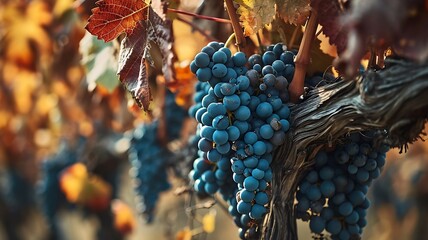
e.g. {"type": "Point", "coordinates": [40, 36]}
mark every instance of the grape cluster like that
{"type": "Point", "coordinates": [243, 117]}
{"type": "Point", "coordinates": [332, 196]}
{"type": "Point", "coordinates": [149, 167]}
{"type": "Point", "coordinates": [208, 175]}
{"type": "Point", "coordinates": [50, 194]}
{"type": "Point", "coordinates": [150, 159]}
{"type": "Point", "coordinates": [174, 116]}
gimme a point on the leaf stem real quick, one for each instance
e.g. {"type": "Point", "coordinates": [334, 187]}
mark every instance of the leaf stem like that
{"type": "Point", "coordinates": [237, 29]}
{"type": "Point", "coordinates": [259, 40]}
{"type": "Point", "coordinates": [215, 19]}
{"type": "Point", "coordinates": [303, 57]}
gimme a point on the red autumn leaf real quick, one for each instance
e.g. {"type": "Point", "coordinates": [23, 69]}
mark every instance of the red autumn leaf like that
{"type": "Point", "coordinates": [112, 18]}
{"type": "Point", "coordinates": [142, 25]}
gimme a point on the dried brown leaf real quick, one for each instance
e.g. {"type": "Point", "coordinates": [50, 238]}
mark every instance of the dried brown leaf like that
{"type": "Point", "coordinates": [294, 11]}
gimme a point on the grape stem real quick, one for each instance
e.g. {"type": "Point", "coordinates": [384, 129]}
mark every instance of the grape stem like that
{"type": "Point", "coordinates": [237, 29]}
{"type": "Point", "coordinates": [215, 19]}
{"type": "Point", "coordinates": [230, 39]}
{"type": "Point", "coordinates": [303, 57]}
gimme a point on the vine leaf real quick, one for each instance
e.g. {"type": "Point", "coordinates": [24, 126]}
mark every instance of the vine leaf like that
{"type": "Point", "coordinates": [294, 11]}
{"type": "Point", "coordinates": [254, 14]}
{"type": "Point", "coordinates": [111, 18]}
{"type": "Point", "coordinates": [124, 220]}
{"type": "Point", "coordinates": [132, 69]}
{"type": "Point", "coordinates": [329, 17]}
{"type": "Point", "coordinates": [163, 37]}
{"type": "Point", "coordinates": [134, 54]}
{"type": "Point", "coordinates": [100, 63]}
{"type": "Point", "coordinates": [142, 25]}
{"type": "Point", "coordinates": [414, 38]}
{"type": "Point", "coordinates": [82, 188]}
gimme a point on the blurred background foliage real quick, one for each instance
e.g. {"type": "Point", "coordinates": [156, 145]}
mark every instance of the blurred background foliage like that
{"type": "Point", "coordinates": [63, 138]}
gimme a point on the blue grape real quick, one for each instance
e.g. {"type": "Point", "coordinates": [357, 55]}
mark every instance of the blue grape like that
{"type": "Point", "coordinates": [247, 196]}
{"type": "Point", "coordinates": [202, 60]}
{"type": "Point", "coordinates": [258, 174]}
{"type": "Point", "coordinates": [257, 211]}
{"type": "Point", "coordinates": [219, 57]}
{"type": "Point", "coordinates": [232, 102]}
{"type": "Point", "coordinates": [244, 207]}
{"type": "Point", "coordinates": [287, 57]}
{"type": "Point", "coordinates": [261, 198]}
{"type": "Point", "coordinates": [239, 59]}
{"type": "Point", "coordinates": [251, 183]}
{"type": "Point", "coordinates": [334, 226]}
{"type": "Point", "coordinates": [264, 110]}
{"type": "Point", "coordinates": [317, 224]}
{"type": "Point", "coordinates": [219, 70]}
{"type": "Point", "coordinates": [268, 58]}
{"type": "Point", "coordinates": [204, 74]}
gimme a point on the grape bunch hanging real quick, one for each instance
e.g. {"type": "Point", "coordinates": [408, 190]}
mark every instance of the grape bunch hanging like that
{"type": "Point", "coordinates": [332, 196]}
{"type": "Point", "coordinates": [241, 108]}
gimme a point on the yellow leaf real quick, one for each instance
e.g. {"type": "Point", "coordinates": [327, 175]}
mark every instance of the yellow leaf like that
{"type": "Point", "coordinates": [208, 221]}
{"type": "Point", "coordinates": [124, 220]}
{"type": "Point", "coordinates": [24, 28]}
{"type": "Point", "coordinates": [255, 14]}
{"type": "Point", "coordinates": [184, 234]}
{"type": "Point", "coordinates": [95, 194]}
{"type": "Point", "coordinates": [72, 181]}
{"type": "Point", "coordinates": [39, 13]}
{"type": "Point", "coordinates": [46, 103]}
{"type": "Point", "coordinates": [326, 47]}
{"type": "Point", "coordinates": [24, 84]}
{"type": "Point", "coordinates": [5, 117]}
{"type": "Point", "coordinates": [80, 188]}
{"type": "Point", "coordinates": [61, 6]}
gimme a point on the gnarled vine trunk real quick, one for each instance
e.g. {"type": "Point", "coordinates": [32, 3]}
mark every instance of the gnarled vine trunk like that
{"type": "Point", "coordinates": [393, 100]}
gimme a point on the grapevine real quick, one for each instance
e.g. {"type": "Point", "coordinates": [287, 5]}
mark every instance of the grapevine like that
{"type": "Point", "coordinates": [271, 111]}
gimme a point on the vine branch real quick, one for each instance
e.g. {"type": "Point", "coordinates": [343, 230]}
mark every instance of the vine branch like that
{"type": "Point", "coordinates": [393, 100]}
{"type": "Point", "coordinates": [215, 19]}
{"type": "Point", "coordinates": [237, 29]}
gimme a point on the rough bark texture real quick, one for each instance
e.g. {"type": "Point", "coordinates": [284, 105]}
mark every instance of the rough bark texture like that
{"type": "Point", "coordinates": [393, 100]}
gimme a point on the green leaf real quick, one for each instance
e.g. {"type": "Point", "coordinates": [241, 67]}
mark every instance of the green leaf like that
{"type": "Point", "coordinates": [99, 62]}
{"type": "Point", "coordinates": [254, 14]}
